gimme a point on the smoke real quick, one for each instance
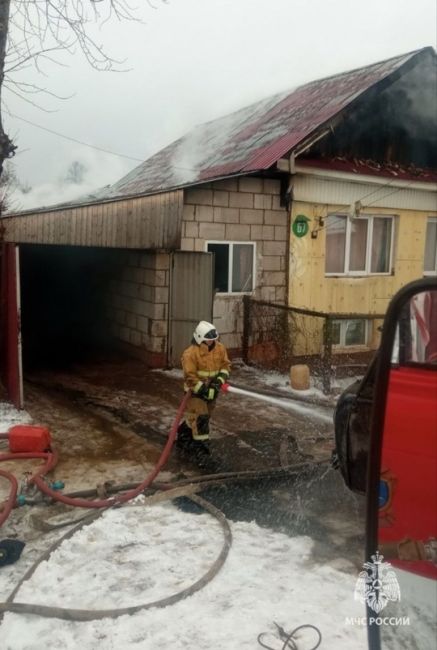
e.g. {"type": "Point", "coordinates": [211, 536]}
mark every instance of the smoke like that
{"type": "Point", "coordinates": [213, 143]}
{"type": "Point", "coordinates": [187, 159]}
{"type": "Point", "coordinates": [414, 96]}
{"type": "Point", "coordinates": [96, 170]}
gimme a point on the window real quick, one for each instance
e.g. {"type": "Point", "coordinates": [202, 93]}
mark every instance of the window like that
{"type": "Point", "coordinates": [349, 332]}
{"type": "Point", "coordinates": [430, 262]}
{"type": "Point", "coordinates": [360, 246]}
{"type": "Point", "coordinates": [234, 266]}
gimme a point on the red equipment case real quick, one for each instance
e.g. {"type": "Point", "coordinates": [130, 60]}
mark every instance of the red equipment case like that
{"type": "Point", "coordinates": [29, 438]}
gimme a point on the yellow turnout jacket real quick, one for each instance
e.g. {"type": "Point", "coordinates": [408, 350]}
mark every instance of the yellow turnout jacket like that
{"type": "Point", "coordinates": [200, 363]}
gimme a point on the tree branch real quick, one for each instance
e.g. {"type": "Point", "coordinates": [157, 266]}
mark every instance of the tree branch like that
{"type": "Point", "coordinates": [47, 26]}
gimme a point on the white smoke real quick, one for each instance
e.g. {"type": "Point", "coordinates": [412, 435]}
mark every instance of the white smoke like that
{"type": "Point", "coordinates": [99, 170]}
{"type": "Point", "coordinates": [187, 159]}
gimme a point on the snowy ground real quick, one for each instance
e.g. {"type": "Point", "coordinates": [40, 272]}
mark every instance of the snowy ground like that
{"type": "Point", "coordinates": [135, 554]}
{"type": "Point", "coordinates": [9, 416]}
{"type": "Point", "coordinates": [295, 567]}
{"type": "Point", "coordinates": [295, 546]}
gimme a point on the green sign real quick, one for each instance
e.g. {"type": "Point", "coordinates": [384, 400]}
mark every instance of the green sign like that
{"type": "Point", "coordinates": [300, 225]}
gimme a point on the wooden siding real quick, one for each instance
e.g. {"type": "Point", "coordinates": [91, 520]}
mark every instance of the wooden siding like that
{"type": "Point", "coordinates": [147, 222]}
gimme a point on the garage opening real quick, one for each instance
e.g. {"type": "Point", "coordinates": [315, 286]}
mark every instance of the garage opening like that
{"type": "Point", "coordinates": [65, 300]}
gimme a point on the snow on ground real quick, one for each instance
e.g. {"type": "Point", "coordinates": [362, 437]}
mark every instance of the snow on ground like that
{"type": "Point", "coordinates": [9, 416]}
{"type": "Point", "coordinates": [281, 381]}
{"type": "Point", "coordinates": [136, 554]}
{"type": "Point", "coordinates": [173, 372]}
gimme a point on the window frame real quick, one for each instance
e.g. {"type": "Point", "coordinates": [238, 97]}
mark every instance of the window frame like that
{"type": "Point", "coordinates": [230, 244]}
{"type": "Point", "coordinates": [434, 272]}
{"type": "Point", "coordinates": [370, 218]}
{"type": "Point", "coordinates": [343, 330]}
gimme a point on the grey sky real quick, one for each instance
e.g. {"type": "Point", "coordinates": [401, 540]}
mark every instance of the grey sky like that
{"type": "Point", "coordinates": [192, 61]}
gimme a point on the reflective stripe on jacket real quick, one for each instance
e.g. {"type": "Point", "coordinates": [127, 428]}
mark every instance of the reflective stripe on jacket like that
{"type": "Point", "coordinates": [200, 363]}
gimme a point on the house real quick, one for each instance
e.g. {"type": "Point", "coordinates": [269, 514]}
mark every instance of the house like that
{"type": "Point", "coordinates": [323, 198]}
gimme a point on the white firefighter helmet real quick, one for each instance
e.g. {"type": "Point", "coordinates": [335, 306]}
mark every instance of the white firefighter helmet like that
{"type": "Point", "coordinates": [205, 332]}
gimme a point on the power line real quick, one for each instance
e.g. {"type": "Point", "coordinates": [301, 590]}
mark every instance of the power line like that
{"type": "Point", "coordinates": [379, 198]}
{"type": "Point", "coordinates": [91, 146]}
{"type": "Point", "coordinates": [67, 137]}
{"type": "Point", "coordinates": [398, 189]}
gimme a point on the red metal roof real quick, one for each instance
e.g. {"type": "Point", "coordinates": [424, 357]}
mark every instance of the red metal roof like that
{"type": "Point", "coordinates": [255, 137]}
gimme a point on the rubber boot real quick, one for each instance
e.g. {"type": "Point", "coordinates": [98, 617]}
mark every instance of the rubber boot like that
{"type": "Point", "coordinates": [200, 453]}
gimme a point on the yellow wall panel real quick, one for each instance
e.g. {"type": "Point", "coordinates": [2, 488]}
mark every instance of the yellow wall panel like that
{"type": "Point", "coordinates": [311, 289]}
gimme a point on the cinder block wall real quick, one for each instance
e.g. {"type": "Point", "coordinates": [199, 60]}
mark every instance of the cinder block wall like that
{"type": "Point", "coordinates": [137, 304]}
{"type": "Point", "coordinates": [243, 209]}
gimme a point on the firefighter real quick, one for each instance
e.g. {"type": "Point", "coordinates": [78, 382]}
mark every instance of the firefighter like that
{"type": "Point", "coordinates": [206, 368]}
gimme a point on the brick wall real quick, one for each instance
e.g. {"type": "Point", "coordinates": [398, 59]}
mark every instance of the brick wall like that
{"type": "Point", "coordinates": [137, 303]}
{"type": "Point", "coordinates": [243, 209]}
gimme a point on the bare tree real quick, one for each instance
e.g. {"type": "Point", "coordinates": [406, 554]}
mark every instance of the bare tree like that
{"type": "Point", "coordinates": [34, 31]}
{"type": "Point", "coordinates": [6, 146]}
{"type": "Point", "coordinates": [9, 181]}
{"type": "Point", "coordinates": [76, 173]}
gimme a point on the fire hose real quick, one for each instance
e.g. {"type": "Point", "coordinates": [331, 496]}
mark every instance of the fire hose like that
{"type": "Point", "coordinates": [134, 490]}
{"type": "Point", "coordinates": [102, 504]}
{"type": "Point", "coordinates": [10, 502]}
{"type": "Point", "coordinates": [131, 494]}
{"type": "Point", "coordinates": [70, 614]}
{"type": "Point", "coordinates": [51, 460]}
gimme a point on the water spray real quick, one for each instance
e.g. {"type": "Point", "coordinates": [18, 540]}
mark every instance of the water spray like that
{"type": "Point", "coordinates": [276, 401]}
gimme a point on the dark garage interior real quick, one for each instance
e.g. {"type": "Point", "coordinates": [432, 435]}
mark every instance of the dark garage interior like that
{"type": "Point", "coordinates": [63, 290]}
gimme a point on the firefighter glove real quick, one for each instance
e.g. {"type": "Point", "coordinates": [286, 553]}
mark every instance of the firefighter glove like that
{"type": "Point", "coordinates": [222, 378]}
{"type": "Point", "coordinates": [207, 392]}
{"type": "Point", "coordinates": [218, 381]}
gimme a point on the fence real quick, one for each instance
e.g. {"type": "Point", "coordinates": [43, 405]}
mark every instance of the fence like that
{"type": "Point", "coordinates": [277, 336]}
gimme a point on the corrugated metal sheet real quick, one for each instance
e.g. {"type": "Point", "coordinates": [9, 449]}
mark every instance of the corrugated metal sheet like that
{"type": "Point", "coordinates": [188, 307]}
{"type": "Point", "coordinates": [254, 137]}
{"type": "Point", "coordinates": [151, 222]}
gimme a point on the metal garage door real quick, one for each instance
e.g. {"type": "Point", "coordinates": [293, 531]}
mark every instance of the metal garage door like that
{"type": "Point", "coordinates": [191, 298]}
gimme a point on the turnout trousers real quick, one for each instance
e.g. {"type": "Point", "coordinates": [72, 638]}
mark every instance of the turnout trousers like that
{"type": "Point", "coordinates": [197, 414]}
